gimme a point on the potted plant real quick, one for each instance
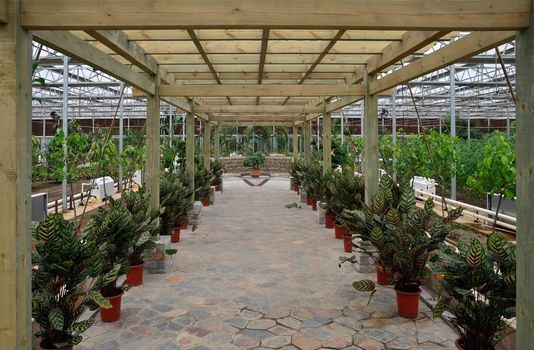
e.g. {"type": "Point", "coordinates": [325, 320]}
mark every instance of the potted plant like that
{"type": "Point", "coordinates": [311, 175]}
{"type": "Point", "coordinates": [203, 180]}
{"type": "Point", "coordinates": [480, 291]}
{"type": "Point", "coordinates": [146, 229]}
{"type": "Point", "coordinates": [65, 274]}
{"type": "Point", "coordinates": [344, 191]}
{"type": "Point", "coordinates": [113, 228]}
{"type": "Point", "coordinates": [295, 169]}
{"type": "Point", "coordinates": [217, 170]}
{"type": "Point", "coordinates": [253, 162]}
{"type": "Point", "coordinates": [409, 235]}
{"type": "Point", "coordinates": [170, 190]}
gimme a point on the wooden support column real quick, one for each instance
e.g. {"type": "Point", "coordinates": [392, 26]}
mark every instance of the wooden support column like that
{"type": "Point", "coordinates": [524, 188]}
{"type": "Point", "coordinates": [306, 135]}
{"type": "Point", "coordinates": [207, 145]}
{"type": "Point", "coordinates": [217, 146]}
{"type": "Point", "coordinates": [153, 146]}
{"type": "Point", "coordinates": [327, 141]}
{"type": "Point", "coordinates": [190, 145]}
{"type": "Point", "coordinates": [371, 140]}
{"type": "Point", "coordinates": [295, 142]}
{"type": "Point", "coordinates": [15, 181]}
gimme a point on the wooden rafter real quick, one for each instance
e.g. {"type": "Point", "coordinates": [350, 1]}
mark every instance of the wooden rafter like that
{"type": "Point", "coordinates": [320, 58]}
{"type": "Point", "coordinates": [206, 58]}
{"type": "Point", "coordinates": [263, 54]}
{"type": "Point", "coordinates": [237, 109]}
{"type": "Point", "coordinates": [313, 14]}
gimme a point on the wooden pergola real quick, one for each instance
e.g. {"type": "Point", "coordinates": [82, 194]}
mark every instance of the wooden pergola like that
{"type": "Point", "coordinates": [248, 62]}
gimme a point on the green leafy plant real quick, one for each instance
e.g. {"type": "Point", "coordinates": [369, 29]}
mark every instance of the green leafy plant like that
{"type": "Point", "coordinates": [114, 228]}
{"type": "Point", "coordinates": [254, 161]}
{"type": "Point", "coordinates": [176, 198]}
{"type": "Point", "coordinates": [343, 191]}
{"type": "Point", "coordinates": [296, 170]}
{"type": "Point", "coordinates": [404, 235]}
{"type": "Point", "coordinates": [203, 180]}
{"type": "Point", "coordinates": [496, 172]}
{"type": "Point", "coordinates": [133, 154]}
{"type": "Point", "coordinates": [65, 277]}
{"type": "Point", "coordinates": [217, 170]}
{"type": "Point", "coordinates": [311, 175]}
{"type": "Point", "coordinates": [480, 286]}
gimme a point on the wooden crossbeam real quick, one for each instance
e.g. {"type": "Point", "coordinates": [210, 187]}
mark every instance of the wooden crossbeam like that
{"type": "Point", "coordinates": [258, 109]}
{"type": "Point", "coordinates": [320, 58]}
{"type": "Point", "coordinates": [257, 123]}
{"type": "Point", "coordinates": [4, 14]}
{"type": "Point", "coordinates": [263, 54]}
{"type": "Point", "coordinates": [255, 118]}
{"type": "Point", "coordinates": [312, 14]}
{"type": "Point", "coordinates": [273, 90]}
{"type": "Point", "coordinates": [458, 50]}
{"type": "Point", "coordinates": [70, 45]}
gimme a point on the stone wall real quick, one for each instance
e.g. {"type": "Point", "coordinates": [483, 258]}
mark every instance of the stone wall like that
{"type": "Point", "coordinates": [273, 164]}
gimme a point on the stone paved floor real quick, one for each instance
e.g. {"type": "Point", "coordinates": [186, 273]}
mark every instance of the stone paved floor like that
{"type": "Point", "coordinates": [256, 275]}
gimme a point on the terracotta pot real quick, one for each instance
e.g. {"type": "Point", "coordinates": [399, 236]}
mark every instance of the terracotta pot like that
{"type": "Point", "coordinates": [135, 276]}
{"type": "Point", "coordinates": [408, 303]}
{"type": "Point", "coordinates": [347, 243]}
{"type": "Point", "coordinates": [381, 275]}
{"type": "Point", "coordinates": [309, 199]}
{"type": "Point", "coordinates": [40, 347]}
{"type": "Point", "coordinates": [340, 231]}
{"type": "Point", "coordinates": [314, 205]}
{"type": "Point", "coordinates": [254, 172]}
{"type": "Point", "coordinates": [458, 344]}
{"type": "Point", "coordinates": [175, 235]}
{"type": "Point", "coordinates": [114, 313]}
{"type": "Point", "coordinates": [329, 221]}
{"type": "Point", "coordinates": [205, 201]}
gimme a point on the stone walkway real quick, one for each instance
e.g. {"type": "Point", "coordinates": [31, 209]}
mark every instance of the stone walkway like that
{"type": "Point", "coordinates": [256, 275]}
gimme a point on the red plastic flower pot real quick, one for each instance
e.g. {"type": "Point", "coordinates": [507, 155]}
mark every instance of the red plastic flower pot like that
{"type": "Point", "coordinates": [347, 244]}
{"type": "Point", "coordinates": [314, 205]}
{"type": "Point", "coordinates": [135, 276]}
{"type": "Point", "coordinates": [183, 226]}
{"type": "Point", "coordinates": [381, 275]}
{"type": "Point", "coordinates": [175, 235]}
{"type": "Point", "coordinates": [340, 231]}
{"type": "Point", "coordinates": [459, 344]}
{"type": "Point", "coordinates": [206, 201]}
{"type": "Point", "coordinates": [408, 303]}
{"type": "Point", "coordinates": [309, 199]}
{"type": "Point", "coordinates": [114, 313]}
{"type": "Point", "coordinates": [329, 221]}
{"type": "Point", "coordinates": [41, 347]}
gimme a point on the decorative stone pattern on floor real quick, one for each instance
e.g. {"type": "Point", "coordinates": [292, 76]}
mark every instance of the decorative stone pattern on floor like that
{"type": "Point", "coordinates": [256, 275]}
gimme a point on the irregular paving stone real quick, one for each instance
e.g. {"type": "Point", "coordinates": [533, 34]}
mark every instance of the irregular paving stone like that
{"type": "Point", "coordinates": [316, 322]}
{"type": "Point", "coordinates": [256, 334]}
{"type": "Point", "coordinates": [245, 342]}
{"type": "Point", "coordinates": [290, 347]}
{"type": "Point", "coordinates": [403, 343]}
{"type": "Point", "coordinates": [250, 315]}
{"type": "Point", "coordinates": [290, 322]}
{"type": "Point", "coordinates": [337, 342]}
{"type": "Point", "coordinates": [186, 339]}
{"type": "Point", "coordinates": [378, 334]}
{"type": "Point", "coordinates": [276, 341]}
{"type": "Point", "coordinates": [261, 324]}
{"type": "Point", "coordinates": [349, 322]}
{"type": "Point", "coordinates": [281, 330]}
{"type": "Point", "coordinates": [367, 343]}
{"type": "Point", "coordinates": [304, 342]}
{"type": "Point", "coordinates": [237, 322]}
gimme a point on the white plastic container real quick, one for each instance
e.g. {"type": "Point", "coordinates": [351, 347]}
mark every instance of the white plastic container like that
{"type": "Point", "coordinates": [101, 188]}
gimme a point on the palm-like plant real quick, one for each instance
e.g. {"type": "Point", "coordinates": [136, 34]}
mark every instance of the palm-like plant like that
{"type": "Point", "coordinates": [311, 175]}
{"type": "Point", "coordinates": [67, 271]}
{"type": "Point", "coordinates": [343, 191]}
{"type": "Point", "coordinates": [176, 198]}
{"type": "Point", "coordinates": [217, 170]}
{"type": "Point", "coordinates": [480, 291]}
{"type": "Point", "coordinates": [203, 180]}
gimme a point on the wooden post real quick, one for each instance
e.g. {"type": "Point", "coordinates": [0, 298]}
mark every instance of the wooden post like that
{"type": "Point", "coordinates": [190, 145]}
{"type": "Point", "coordinates": [327, 141]}
{"type": "Point", "coordinates": [371, 141]}
{"type": "Point", "coordinates": [153, 146]}
{"type": "Point", "coordinates": [15, 182]}
{"type": "Point", "coordinates": [524, 188]}
{"type": "Point", "coordinates": [207, 145]}
{"type": "Point", "coordinates": [217, 146]}
{"type": "Point", "coordinates": [295, 142]}
{"type": "Point", "coordinates": [306, 142]}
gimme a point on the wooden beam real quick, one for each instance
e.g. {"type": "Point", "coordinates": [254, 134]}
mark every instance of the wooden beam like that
{"type": "Point", "coordinates": [72, 46]}
{"type": "Point", "coordinates": [4, 14]}
{"type": "Point", "coordinates": [258, 109]}
{"type": "Point", "coordinates": [327, 142]}
{"type": "Point", "coordinates": [311, 14]}
{"type": "Point", "coordinates": [153, 147]}
{"type": "Point", "coordinates": [15, 183]}
{"type": "Point", "coordinates": [206, 145]}
{"type": "Point", "coordinates": [456, 51]}
{"type": "Point", "coordinates": [295, 142]}
{"type": "Point", "coordinates": [190, 145]}
{"type": "Point", "coordinates": [320, 58]}
{"type": "Point", "coordinates": [263, 54]}
{"type": "Point", "coordinates": [306, 134]}
{"type": "Point", "coordinates": [524, 188]}
{"type": "Point", "coordinates": [260, 90]}
{"type": "Point", "coordinates": [254, 123]}
{"type": "Point", "coordinates": [370, 131]}
{"type": "Point", "coordinates": [216, 140]}
{"type": "Point", "coordinates": [256, 118]}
